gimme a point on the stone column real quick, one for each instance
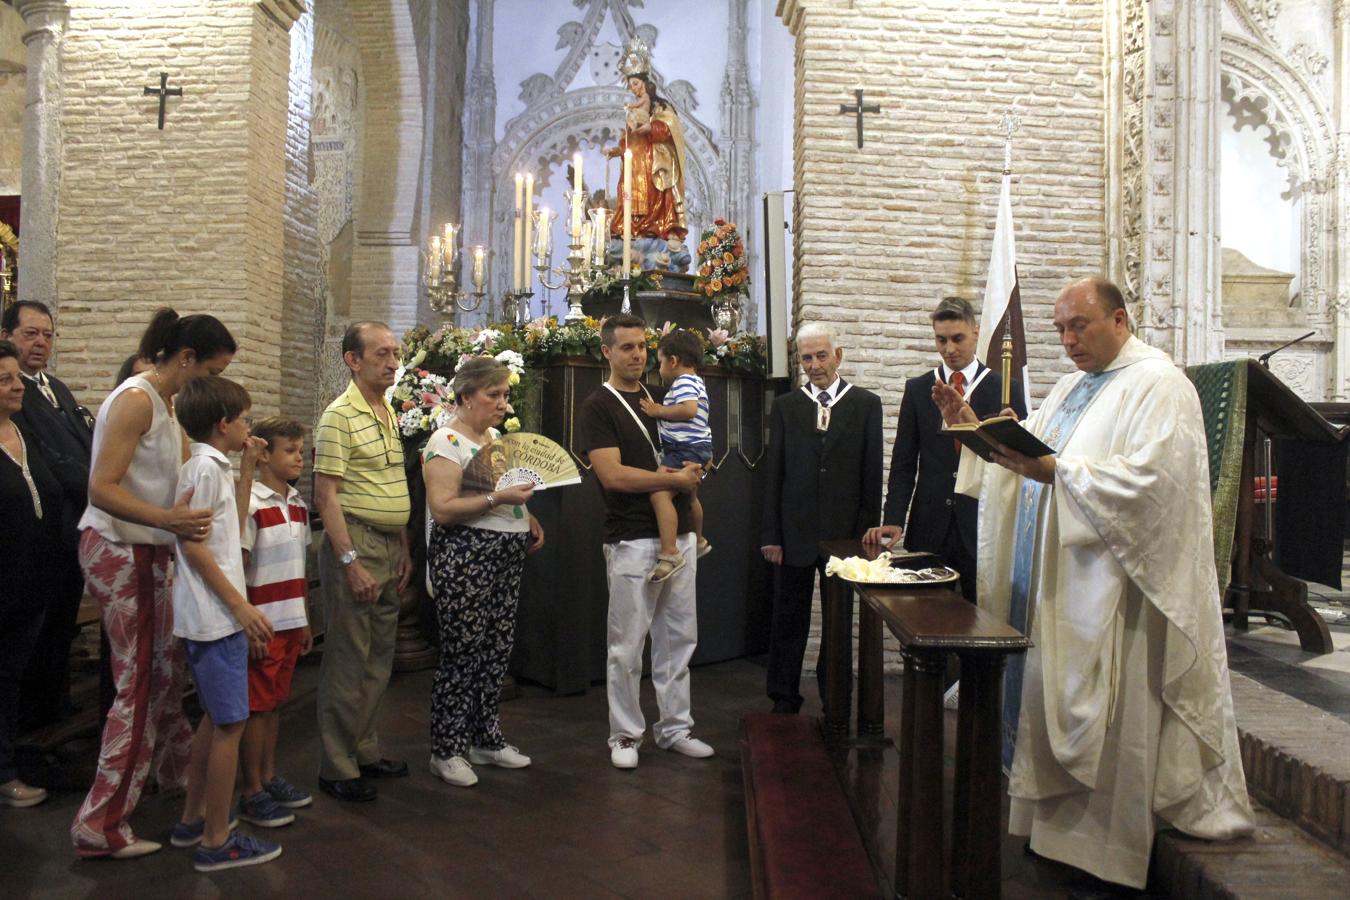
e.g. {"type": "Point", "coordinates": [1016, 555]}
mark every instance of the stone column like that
{"type": "Point", "coordinates": [46, 23]}
{"type": "Point", "coordinates": [1340, 304]}
{"type": "Point", "coordinates": [479, 138]}
{"type": "Point", "coordinates": [738, 134]}
{"type": "Point", "coordinates": [1163, 170]}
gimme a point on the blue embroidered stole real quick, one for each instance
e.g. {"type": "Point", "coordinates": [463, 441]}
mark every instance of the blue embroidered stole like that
{"type": "Point", "coordinates": [1057, 433]}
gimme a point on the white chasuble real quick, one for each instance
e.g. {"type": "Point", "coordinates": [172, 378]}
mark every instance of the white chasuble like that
{"type": "Point", "coordinates": [1126, 712]}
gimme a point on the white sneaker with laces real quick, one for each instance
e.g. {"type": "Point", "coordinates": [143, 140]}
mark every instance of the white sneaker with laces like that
{"type": "Point", "coordinates": [508, 757]}
{"type": "Point", "coordinates": [691, 746]}
{"type": "Point", "coordinates": [624, 754]}
{"type": "Point", "coordinates": [454, 770]}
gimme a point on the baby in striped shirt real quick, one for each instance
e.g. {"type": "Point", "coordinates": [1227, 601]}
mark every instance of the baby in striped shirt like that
{"type": "Point", "coordinates": [685, 437]}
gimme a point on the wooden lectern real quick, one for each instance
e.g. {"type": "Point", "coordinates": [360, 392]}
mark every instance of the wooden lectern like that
{"type": "Point", "coordinates": [1258, 406]}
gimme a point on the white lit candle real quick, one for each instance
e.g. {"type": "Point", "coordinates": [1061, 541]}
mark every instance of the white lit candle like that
{"type": "Point", "coordinates": [627, 212]}
{"type": "Point", "coordinates": [479, 267]}
{"type": "Point", "coordinates": [527, 282]}
{"type": "Point", "coordinates": [576, 194]}
{"type": "Point", "coordinates": [434, 262]}
{"type": "Point", "coordinates": [518, 256]}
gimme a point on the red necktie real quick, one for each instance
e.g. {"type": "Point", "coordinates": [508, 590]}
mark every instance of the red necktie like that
{"type": "Point", "coordinates": [958, 383]}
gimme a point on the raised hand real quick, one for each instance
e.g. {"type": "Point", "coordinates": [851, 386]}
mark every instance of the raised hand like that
{"type": "Point", "coordinates": [953, 407]}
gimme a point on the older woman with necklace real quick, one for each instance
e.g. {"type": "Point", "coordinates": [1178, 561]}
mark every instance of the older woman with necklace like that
{"type": "Point", "coordinates": [475, 558]}
{"type": "Point", "coordinates": [30, 532]}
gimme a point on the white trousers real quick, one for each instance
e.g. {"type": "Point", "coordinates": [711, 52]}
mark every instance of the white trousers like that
{"type": "Point", "coordinates": [666, 610]}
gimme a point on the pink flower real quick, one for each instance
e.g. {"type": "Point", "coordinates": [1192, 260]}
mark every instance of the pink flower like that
{"type": "Point", "coordinates": [667, 328]}
{"type": "Point", "coordinates": [718, 336]}
{"type": "Point", "coordinates": [428, 398]}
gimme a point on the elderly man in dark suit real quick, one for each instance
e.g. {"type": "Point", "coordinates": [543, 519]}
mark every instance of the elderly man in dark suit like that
{"type": "Point", "coordinates": [923, 462]}
{"type": "Point", "coordinates": [823, 483]}
{"type": "Point", "coordinates": [64, 433]}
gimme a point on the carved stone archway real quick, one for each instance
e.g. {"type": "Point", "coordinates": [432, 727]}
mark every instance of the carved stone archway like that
{"type": "Point", "coordinates": [549, 132]}
{"type": "Point", "coordinates": [1254, 69]}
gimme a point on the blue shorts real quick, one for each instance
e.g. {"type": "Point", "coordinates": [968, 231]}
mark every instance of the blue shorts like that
{"type": "Point", "coordinates": [676, 455]}
{"type": "Point", "coordinates": [220, 670]}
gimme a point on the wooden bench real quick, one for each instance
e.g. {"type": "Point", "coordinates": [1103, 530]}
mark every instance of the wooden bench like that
{"type": "Point", "coordinates": [803, 840]}
{"type": "Point", "coordinates": [930, 623]}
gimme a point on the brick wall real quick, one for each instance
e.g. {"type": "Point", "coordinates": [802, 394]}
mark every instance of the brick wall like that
{"type": "Point", "coordinates": [882, 233]}
{"type": "Point", "coordinates": [189, 216]}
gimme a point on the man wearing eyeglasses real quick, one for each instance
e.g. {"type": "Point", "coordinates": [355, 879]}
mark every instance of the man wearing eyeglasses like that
{"type": "Point", "coordinates": [361, 492]}
{"type": "Point", "coordinates": [64, 433]}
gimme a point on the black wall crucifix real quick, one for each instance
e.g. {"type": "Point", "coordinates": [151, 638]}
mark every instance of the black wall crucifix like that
{"type": "Point", "coordinates": [858, 110]}
{"type": "Point", "coordinates": [164, 92]}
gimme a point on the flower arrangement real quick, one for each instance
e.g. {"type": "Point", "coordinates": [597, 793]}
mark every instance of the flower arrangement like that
{"type": "Point", "coordinates": [722, 266]}
{"type": "Point", "coordinates": [421, 393]}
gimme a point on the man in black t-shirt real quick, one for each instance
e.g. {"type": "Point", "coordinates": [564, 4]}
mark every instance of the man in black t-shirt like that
{"type": "Point", "coordinates": [621, 443]}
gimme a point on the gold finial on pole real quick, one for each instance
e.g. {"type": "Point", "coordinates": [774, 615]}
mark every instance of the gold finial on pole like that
{"type": "Point", "coordinates": [1011, 122]}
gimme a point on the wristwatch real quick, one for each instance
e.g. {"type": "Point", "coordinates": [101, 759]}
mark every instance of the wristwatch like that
{"type": "Point", "coordinates": [348, 558]}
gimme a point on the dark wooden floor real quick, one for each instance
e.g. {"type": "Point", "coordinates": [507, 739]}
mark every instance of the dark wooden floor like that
{"type": "Point", "coordinates": [569, 826]}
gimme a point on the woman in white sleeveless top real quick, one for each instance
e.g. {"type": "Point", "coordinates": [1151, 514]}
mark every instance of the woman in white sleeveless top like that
{"type": "Point", "coordinates": [127, 535]}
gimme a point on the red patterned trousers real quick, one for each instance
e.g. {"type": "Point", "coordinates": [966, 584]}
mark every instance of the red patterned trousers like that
{"type": "Point", "coordinates": [146, 723]}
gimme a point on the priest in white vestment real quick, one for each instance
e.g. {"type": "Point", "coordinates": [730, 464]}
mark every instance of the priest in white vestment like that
{"type": "Point", "coordinates": [1106, 549]}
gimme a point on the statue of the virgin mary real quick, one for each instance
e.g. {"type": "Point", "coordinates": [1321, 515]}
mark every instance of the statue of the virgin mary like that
{"type": "Point", "coordinates": [653, 132]}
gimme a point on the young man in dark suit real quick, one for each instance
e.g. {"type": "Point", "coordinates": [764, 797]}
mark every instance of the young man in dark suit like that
{"type": "Point", "coordinates": [64, 433]}
{"type": "Point", "coordinates": [823, 483]}
{"type": "Point", "coordinates": [923, 462]}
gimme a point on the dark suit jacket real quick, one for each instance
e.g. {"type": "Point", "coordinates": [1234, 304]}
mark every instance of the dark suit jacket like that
{"type": "Point", "coordinates": [923, 463]}
{"type": "Point", "coordinates": [821, 487]}
{"type": "Point", "coordinates": [65, 439]}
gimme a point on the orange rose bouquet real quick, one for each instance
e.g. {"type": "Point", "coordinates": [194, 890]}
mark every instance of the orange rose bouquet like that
{"type": "Point", "coordinates": [723, 272]}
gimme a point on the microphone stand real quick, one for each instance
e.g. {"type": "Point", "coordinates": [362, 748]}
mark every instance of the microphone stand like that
{"type": "Point", "coordinates": [1264, 358]}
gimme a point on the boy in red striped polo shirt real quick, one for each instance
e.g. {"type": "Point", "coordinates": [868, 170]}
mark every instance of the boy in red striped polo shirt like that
{"type": "Point", "coordinates": [275, 540]}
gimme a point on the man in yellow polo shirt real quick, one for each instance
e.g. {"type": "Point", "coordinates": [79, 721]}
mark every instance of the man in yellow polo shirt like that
{"type": "Point", "coordinates": [361, 493]}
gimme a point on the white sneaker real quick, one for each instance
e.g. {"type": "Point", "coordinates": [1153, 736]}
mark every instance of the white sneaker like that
{"type": "Point", "coordinates": [508, 757]}
{"type": "Point", "coordinates": [624, 754]}
{"type": "Point", "coordinates": [691, 746]}
{"type": "Point", "coordinates": [454, 770]}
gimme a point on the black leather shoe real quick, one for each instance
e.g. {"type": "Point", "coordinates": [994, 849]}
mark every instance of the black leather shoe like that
{"type": "Point", "coordinates": [385, 768]}
{"type": "Point", "coordinates": [355, 789]}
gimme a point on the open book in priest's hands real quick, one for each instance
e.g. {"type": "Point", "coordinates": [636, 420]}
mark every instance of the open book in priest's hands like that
{"type": "Point", "coordinates": [981, 437]}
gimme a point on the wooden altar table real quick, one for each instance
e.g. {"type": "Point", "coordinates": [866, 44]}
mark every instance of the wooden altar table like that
{"type": "Point", "coordinates": [929, 623]}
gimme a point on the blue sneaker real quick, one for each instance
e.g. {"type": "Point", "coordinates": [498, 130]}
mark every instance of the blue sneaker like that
{"type": "Point", "coordinates": [239, 850]}
{"type": "Point", "coordinates": [287, 794]}
{"type": "Point", "coordinates": [261, 809]}
{"type": "Point", "coordinates": [189, 834]}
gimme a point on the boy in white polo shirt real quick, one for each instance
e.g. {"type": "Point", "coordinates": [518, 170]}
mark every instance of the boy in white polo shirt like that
{"type": "Point", "coordinates": [213, 617]}
{"type": "Point", "coordinates": [275, 539]}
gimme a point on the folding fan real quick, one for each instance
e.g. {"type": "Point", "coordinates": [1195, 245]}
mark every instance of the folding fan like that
{"type": "Point", "coordinates": [519, 458]}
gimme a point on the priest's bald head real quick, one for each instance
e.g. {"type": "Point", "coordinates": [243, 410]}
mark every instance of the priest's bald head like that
{"type": "Point", "coordinates": [1092, 323]}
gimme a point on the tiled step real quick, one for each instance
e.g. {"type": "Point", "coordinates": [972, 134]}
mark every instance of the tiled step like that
{"type": "Point", "coordinates": [1278, 862]}
{"type": "Point", "coordinates": [1297, 760]}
